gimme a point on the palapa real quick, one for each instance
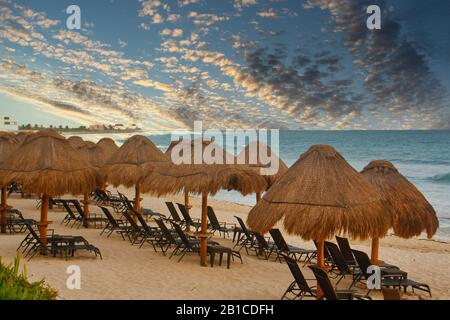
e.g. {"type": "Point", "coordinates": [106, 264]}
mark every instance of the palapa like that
{"type": "Point", "coordinates": [46, 164]}
{"type": "Point", "coordinates": [204, 179]}
{"type": "Point", "coordinates": [412, 213]}
{"type": "Point", "coordinates": [108, 145]}
{"type": "Point", "coordinates": [136, 158]}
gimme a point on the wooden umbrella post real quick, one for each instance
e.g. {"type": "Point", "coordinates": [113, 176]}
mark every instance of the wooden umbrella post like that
{"type": "Point", "coordinates": [188, 208]}
{"type": "Point", "coordinates": [204, 230]}
{"type": "Point", "coordinates": [320, 263]}
{"type": "Point", "coordinates": [4, 210]}
{"type": "Point", "coordinates": [375, 246]}
{"type": "Point", "coordinates": [258, 196]}
{"type": "Point", "coordinates": [86, 202]}
{"type": "Point", "coordinates": [43, 224]}
{"type": "Point", "coordinates": [137, 198]}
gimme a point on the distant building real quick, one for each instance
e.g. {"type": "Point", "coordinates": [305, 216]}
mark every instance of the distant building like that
{"type": "Point", "coordinates": [7, 124]}
{"type": "Point", "coordinates": [97, 127]}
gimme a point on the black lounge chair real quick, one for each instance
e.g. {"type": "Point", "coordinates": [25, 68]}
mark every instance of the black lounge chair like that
{"type": "Point", "coordinates": [346, 250]}
{"type": "Point", "coordinates": [174, 214]}
{"type": "Point", "coordinates": [265, 247]}
{"type": "Point", "coordinates": [71, 216]}
{"type": "Point", "coordinates": [114, 225]}
{"type": "Point", "coordinates": [389, 277]}
{"type": "Point", "coordinates": [166, 238]}
{"type": "Point", "coordinates": [16, 223]}
{"type": "Point", "coordinates": [290, 251]}
{"type": "Point", "coordinates": [149, 234]}
{"type": "Point", "coordinates": [329, 292]}
{"type": "Point", "coordinates": [247, 240]}
{"type": "Point", "coordinates": [187, 217]}
{"type": "Point", "coordinates": [65, 245]}
{"type": "Point", "coordinates": [341, 267]}
{"type": "Point", "coordinates": [147, 213]}
{"type": "Point", "coordinates": [299, 288]}
{"type": "Point", "coordinates": [215, 225]}
{"type": "Point", "coordinates": [97, 220]}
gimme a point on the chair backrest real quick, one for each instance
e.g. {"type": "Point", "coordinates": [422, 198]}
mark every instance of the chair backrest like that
{"type": "Point", "coordinates": [131, 221]}
{"type": "Point", "coordinates": [262, 243]}
{"type": "Point", "coordinates": [325, 251]}
{"type": "Point", "coordinates": [244, 227]}
{"type": "Point", "coordinates": [324, 283]}
{"type": "Point", "coordinates": [213, 218]}
{"type": "Point", "coordinates": [110, 217]}
{"type": "Point", "coordinates": [363, 261]}
{"type": "Point", "coordinates": [338, 258]}
{"type": "Point", "coordinates": [345, 248]}
{"type": "Point", "coordinates": [279, 240]}
{"type": "Point", "coordinates": [185, 213]}
{"type": "Point", "coordinates": [182, 236]}
{"type": "Point", "coordinates": [173, 212]}
{"type": "Point", "coordinates": [31, 230]}
{"type": "Point", "coordinates": [68, 209]}
{"type": "Point", "coordinates": [77, 206]}
{"type": "Point", "coordinates": [297, 274]}
{"type": "Point", "coordinates": [165, 231]}
{"type": "Point", "coordinates": [141, 220]}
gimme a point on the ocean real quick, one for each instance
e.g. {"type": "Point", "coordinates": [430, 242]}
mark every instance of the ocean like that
{"type": "Point", "coordinates": [422, 156]}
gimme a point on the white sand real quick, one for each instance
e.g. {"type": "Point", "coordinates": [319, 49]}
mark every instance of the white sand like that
{"type": "Point", "coordinates": [127, 272]}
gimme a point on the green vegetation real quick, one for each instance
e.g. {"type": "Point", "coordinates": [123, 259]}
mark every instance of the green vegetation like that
{"type": "Point", "coordinates": [15, 285]}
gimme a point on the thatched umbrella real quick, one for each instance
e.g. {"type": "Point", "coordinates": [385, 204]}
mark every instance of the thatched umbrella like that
{"type": "Point", "coordinates": [252, 155]}
{"type": "Point", "coordinates": [108, 145]}
{"type": "Point", "coordinates": [76, 142]}
{"type": "Point", "coordinates": [320, 196]}
{"type": "Point", "coordinates": [412, 213]}
{"type": "Point", "coordinates": [131, 162]}
{"type": "Point", "coordinates": [46, 164]}
{"type": "Point", "coordinates": [96, 156]}
{"type": "Point", "coordinates": [22, 136]}
{"type": "Point", "coordinates": [8, 144]}
{"type": "Point", "coordinates": [204, 179]}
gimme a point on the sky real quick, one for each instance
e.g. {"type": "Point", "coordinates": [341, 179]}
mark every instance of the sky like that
{"type": "Point", "coordinates": [285, 64]}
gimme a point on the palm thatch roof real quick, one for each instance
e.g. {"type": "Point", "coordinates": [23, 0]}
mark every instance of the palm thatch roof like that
{"type": "Point", "coordinates": [210, 150]}
{"type": "Point", "coordinates": [320, 196]}
{"type": "Point", "coordinates": [94, 154]}
{"type": "Point", "coordinates": [108, 145]}
{"type": "Point", "coordinates": [76, 142]}
{"type": "Point", "coordinates": [132, 161]}
{"type": "Point", "coordinates": [22, 136]}
{"type": "Point", "coordinates": [256, 147]}
{"type": "Point", "coordinates": [412, 213]}
{"type": "Point", "coordinates": [198, 178]}
{"type": "Point", "coordinates": [8, 144]}
{"type": "Point", "coordinates": [46, 163]}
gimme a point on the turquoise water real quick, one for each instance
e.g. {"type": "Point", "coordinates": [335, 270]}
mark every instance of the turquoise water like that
{"type": "Point", "coordinates": [422, 156]}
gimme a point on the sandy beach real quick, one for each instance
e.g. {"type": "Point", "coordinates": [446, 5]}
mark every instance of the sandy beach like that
{"type": "Point", "coordinates": [127, 272]}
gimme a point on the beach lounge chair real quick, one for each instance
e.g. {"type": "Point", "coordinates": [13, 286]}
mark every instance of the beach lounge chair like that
{"type": "Point", "coordinates": [389, 277]}
{"type": "Point", "coordinates": [97, 220]}
{"type": "Point", "coordinates": [147, 213]}
{"type": "Point", "coordinates": [149, 234]}
{"type": "Point", "coordinates": [341, 267]}
{"type": "Point", "coordinates": [215, 225]}
{"type": "Point", "coordinates": [114, 225]}
{"type": "Point", "coordinates": [166, 238]}
{"type": "Point", "coordinates": [136, 234]}
{"type": "Point", "coordinates": [187, 217]}
{"type": "Point", "coordinates": [290, 251]}
{"type": "Point", "coordinates": [248, 240]}
{"type": "Point", "coordinates": [70, 217]}
{"type": "Point", "coordinates": [346, 250]}
{"type": "Point", "coordinates": [329, 292]}
{"type": "Point", "coordinates": [16, 223]}
{"type": "Point", "coordinates": [65, 245]}
{"type": "Point", "coordinates": [265, 247]}
{"type": "Point", "coordinates": [299, 288]}
{"type": "Point", "coordinates": [174, 214]}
